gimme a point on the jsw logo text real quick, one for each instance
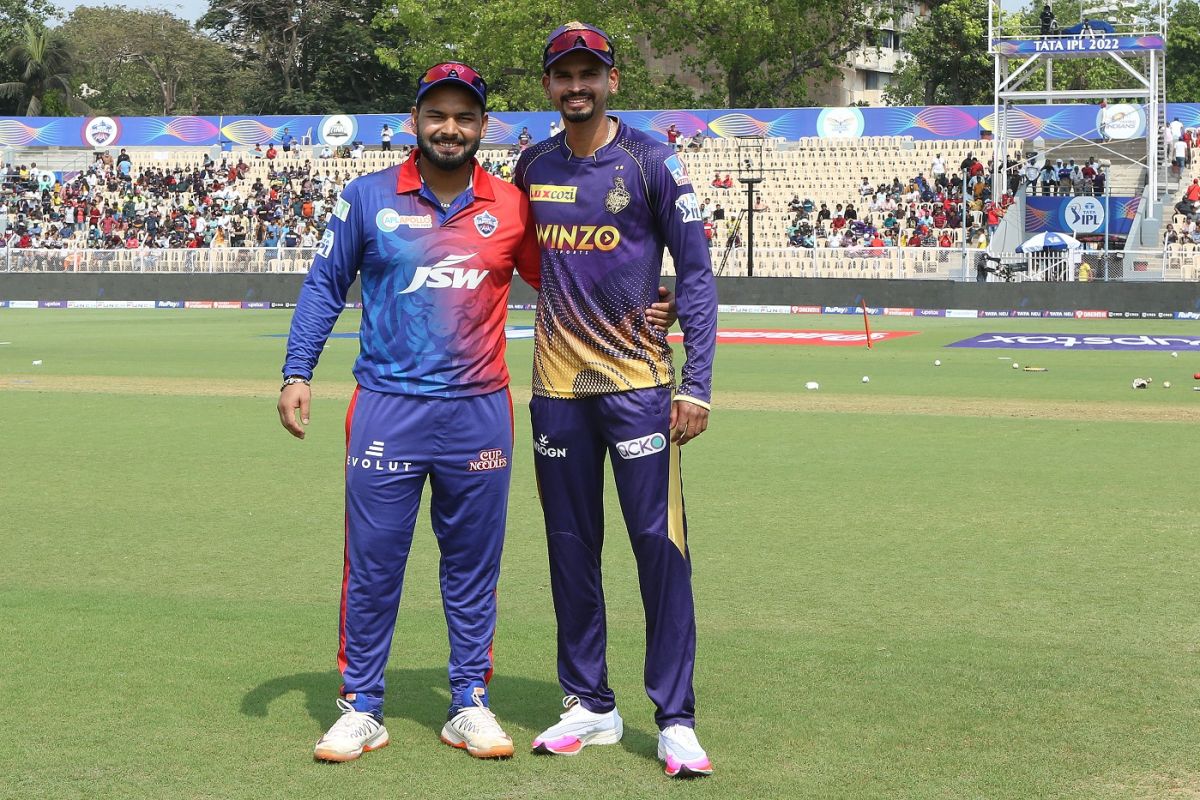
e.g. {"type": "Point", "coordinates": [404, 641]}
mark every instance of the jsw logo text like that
{"type": "Point", "coordinates": [443, 275]}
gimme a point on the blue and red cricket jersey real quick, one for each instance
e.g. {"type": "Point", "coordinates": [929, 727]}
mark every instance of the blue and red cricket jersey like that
{"type": "Point", "coordinates": [434, 283]}
{"type": "Point", "coordinates": [432, 403]}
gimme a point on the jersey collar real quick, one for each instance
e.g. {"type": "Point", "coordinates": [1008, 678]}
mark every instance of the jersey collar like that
{"type": "Point", "coordinates": [408, 179]}
{"type": "Point", "coordinates": [569, 155]}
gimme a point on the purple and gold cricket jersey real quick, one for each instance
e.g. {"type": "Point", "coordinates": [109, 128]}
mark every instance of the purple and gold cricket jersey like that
{"type": "Point", "coordinates": [434, 283]}
{"type": "Point", "coordinates": [602, 222]}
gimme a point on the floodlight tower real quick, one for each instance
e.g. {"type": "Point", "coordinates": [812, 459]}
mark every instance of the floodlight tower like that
{"type": "Point", "coordinates": [750, 175]}
{"type": "Point", "coordinates": [1133, 35]}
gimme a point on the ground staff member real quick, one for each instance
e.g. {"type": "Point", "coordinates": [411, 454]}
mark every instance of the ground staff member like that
{"type": "Point", "coordinates": [606, 200]}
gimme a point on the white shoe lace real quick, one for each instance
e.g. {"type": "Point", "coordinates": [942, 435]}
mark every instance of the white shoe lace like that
{"type": "Point", "coordinates": [352, 724]}
{"type": "Point", "coordinates": [479, 720]}
{"type": "Point", "coordinates": [570, 703]}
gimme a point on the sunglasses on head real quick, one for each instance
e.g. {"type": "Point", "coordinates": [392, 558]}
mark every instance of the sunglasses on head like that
{"type": "Point", "coordinates": [460, 71]}
{"type": "Point", "coordinates": [578, 38]}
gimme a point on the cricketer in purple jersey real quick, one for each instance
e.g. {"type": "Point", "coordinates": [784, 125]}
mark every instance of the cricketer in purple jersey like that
{"type": "Point", "coordinates": [602, 223]}
{"type": "Point", "coordinates": [606, 200]}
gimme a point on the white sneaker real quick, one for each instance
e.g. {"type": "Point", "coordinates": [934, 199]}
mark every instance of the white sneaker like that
{"type": "Point", "coordinates": [354, 733]}
{"type": "Point", "coordinates": [579, 728]}
{"type": "Point", "coordinates": [684, 757]}
{"type": "Point", "coordinates": [476, 730]}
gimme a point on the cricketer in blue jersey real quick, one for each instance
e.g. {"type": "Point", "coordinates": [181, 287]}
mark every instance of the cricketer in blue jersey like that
{"type": "Point", "coordinates": [434, 243]}
{"type": "Point", "coordinates": [606, 200]}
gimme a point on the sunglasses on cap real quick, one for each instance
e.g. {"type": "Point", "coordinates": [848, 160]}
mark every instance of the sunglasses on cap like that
{"type": "Point", "coordinates": [578, 38]}
{"type": "Point", "coordinates": [568, 40]}
{"type": "Point", "coordinates": [453, 71]}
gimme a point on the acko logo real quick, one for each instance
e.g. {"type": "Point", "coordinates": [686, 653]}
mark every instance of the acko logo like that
{"type": "Point", "coordinates": [541, 446]}
{"type": "Point", "coordinates": [1084, 214]}
{"type": "Point", "coordinates": [548, 193]}
{"type": "Point", "coordinates": [444, 275]}
{"type": "Point", "coordinates": [642, 446]}
{"type": "Point", "coordinates": [578, 237]}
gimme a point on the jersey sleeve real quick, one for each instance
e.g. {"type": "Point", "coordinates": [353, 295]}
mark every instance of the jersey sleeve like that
{"type": "Point", "coordinates": [529, 254]}
{"type": "Point", "coordinates": [323, 294]}
{"type": "Point", "coordinates": [681, 223]}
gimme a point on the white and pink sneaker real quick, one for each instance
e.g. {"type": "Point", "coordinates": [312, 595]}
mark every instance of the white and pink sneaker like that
{"type": "Point", "coordinates": [682, 753]}
{"type": "Point", "coordinates": [578, 728]}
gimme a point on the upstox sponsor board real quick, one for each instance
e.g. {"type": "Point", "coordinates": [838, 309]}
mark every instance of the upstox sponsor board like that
{"type": "Point", "coordinates": [1064, 341]}
{"type": "Point", "coordinates": [818, 338]}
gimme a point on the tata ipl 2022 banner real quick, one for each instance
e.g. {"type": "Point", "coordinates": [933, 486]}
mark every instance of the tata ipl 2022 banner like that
{"type": "Point", "coordinates": [930, 123]}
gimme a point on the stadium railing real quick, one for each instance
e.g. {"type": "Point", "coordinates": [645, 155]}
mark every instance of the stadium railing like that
{"type": "Point", "coordinates": [897, 263]}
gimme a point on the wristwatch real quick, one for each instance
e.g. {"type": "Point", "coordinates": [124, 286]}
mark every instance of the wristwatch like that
{"type": "Point", "coordinates": [288, 380]}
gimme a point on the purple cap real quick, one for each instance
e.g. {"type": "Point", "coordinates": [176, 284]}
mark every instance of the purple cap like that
{"type": "Point", "coordinates": [576, 36]}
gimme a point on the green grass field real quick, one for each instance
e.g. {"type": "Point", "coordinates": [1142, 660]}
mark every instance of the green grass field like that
{"type": "Point", "coordinates": [956, 582]}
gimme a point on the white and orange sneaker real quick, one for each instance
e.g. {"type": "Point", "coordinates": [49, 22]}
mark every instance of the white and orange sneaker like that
{"type": "Point", "coordinates": [475, 729]}
{"type": "Point", "coordinates": [682, 753]}
{"type": "Point", "coordinates": [355, 733]}
{"type": "Point", "coordinates": [578, 728]}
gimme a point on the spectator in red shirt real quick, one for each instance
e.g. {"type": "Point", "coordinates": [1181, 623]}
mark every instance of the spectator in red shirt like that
{"type": "Point", "coordinates": [716, 182]}
{"type": "Point", "coordinates": [1193, 191]}
{"type": "Point", "coordinates": [673, 136]}
{"type": "Point", "coordinates": [944, 240]}
{"type": "Point", "coordinates": [271, 152]}
{"type": "Point", "coordinates": [727, 183]}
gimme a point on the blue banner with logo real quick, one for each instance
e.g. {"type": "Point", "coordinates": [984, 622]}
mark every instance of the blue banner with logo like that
{"type": "Point", "coordinates": [1080, 215]}
{"type": "Point", "coordinates": [1088, 43]}
{"type": "Point", "coordinates": [930, 123]}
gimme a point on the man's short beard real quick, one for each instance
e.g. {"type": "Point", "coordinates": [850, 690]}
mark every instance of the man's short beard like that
{"type": "Point", "coordinates": [444, 162]}
{"type": "Point", "coordinates": [579, 116]}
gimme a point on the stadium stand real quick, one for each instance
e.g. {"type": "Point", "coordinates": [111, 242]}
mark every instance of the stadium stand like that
{"type": "Point", "coordinates": [142, 210]}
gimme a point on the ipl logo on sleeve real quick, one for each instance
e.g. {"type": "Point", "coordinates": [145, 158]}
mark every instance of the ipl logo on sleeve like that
{"type": "Point", "coordinates": [689, 209]}
{"type": "Point", "coordinates": [325, 246]}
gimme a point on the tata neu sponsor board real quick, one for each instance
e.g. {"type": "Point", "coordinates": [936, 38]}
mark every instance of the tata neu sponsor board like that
{"type": "Point", "coordinates": [1066, 341]}
{"type": "Point", "coordinates": [817, 338]}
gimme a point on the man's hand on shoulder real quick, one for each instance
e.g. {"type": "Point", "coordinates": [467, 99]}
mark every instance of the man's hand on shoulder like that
{"type": "Point", "coordinates": [294, 397]}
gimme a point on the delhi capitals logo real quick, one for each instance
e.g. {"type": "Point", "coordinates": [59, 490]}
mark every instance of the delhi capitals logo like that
{"type": "Point", "coordinates": [486, 224]}
{"type": "Point", "coordinates": [100, 131]}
